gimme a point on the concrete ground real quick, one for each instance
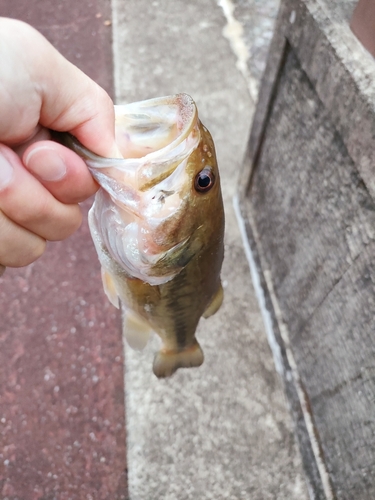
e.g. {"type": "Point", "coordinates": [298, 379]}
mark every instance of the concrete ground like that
{"type": "Point", "coordinates": [222, 431]}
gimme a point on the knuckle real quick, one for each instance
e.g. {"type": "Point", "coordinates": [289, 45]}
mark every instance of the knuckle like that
{"type": "Point", "coordinates": [36, 250]}
{"type": "Point", "coordinates": [68, 224]}
{"type": "Point", "coordinates": [18, 247]}
{"type": "Point", "coordinates": [39, 212]}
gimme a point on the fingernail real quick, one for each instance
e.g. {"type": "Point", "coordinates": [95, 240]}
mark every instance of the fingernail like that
{"type": "Point", "coordinates": [46, 164]}
{"type": "Point", "coordinates": [6, 172]}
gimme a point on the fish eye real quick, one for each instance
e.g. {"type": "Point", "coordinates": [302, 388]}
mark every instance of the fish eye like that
{"type": "Point", "coordinates": [204, 180]}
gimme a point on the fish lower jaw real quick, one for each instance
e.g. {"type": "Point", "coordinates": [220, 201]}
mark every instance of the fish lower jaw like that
{"type": "Point", "coordinates": [166, 362]}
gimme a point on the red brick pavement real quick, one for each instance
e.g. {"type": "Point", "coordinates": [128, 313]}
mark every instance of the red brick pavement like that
{"type": "Point", "coordinates": [62, 432]}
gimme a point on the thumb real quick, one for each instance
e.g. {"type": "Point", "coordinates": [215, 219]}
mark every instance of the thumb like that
{"type": "Point", "coordinates": [56, 93]}
{"type": "Point", "coordinates": [72, 102]}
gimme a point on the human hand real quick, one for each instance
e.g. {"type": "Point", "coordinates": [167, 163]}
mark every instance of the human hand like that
{"type": "Point", "coordinates": [41, 181]}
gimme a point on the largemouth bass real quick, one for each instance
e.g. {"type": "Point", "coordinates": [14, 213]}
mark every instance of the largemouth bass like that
{"type": "Point", "coordinates": [158, 226]}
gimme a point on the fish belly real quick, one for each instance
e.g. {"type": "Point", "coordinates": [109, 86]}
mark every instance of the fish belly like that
{"type": "Point", "coordinates": [169, 311]}
{"type": "Point", "coordinates": [172, 310]}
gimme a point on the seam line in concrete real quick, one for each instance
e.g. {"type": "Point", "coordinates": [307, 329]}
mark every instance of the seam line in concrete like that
{"type": "Point", "coordinates": [233, 32]}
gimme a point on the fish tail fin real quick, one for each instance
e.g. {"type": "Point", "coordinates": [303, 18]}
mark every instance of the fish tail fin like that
{"type": "Point", "coordinates": [135, 330]}
{"type": "Point", "coordinates": [167, 362]}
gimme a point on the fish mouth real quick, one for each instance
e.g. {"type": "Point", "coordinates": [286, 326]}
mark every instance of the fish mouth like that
{"type": "Point", "coordinates": [154, 137]}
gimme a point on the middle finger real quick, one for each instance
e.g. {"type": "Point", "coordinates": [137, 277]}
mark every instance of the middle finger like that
{"type": "Point", "coordinates": [28, 203]}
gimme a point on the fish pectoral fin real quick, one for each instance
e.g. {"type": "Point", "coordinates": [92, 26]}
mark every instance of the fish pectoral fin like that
{"type": "Point", "coordinates": [215, 303]}
{"type": "Point", "coordinates": [175, 259]}
{"type": "Point", "coordinates": [110, 288]}
{"type": "Point", "coordinates": [167, 362]}
{"type": "Point", "coordinates": [136, 331]}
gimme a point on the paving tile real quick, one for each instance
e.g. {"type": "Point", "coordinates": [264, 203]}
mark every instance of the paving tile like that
{"type": "Point", "coordinates": [62, 423]}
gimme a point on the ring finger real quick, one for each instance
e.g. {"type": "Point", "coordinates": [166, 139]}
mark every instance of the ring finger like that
{"type": "Point", "coordinates": [18, 246]}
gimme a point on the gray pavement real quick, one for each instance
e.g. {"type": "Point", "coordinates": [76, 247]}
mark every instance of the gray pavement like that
{"type": "Point", "coordinates": [222, 431]}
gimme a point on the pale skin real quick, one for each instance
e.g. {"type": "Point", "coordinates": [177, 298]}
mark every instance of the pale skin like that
{"type": "Point", "coordinates": [41, 181]}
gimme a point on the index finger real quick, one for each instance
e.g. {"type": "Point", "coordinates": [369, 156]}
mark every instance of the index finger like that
{"type": "Point", "coordinates": [60, 170]}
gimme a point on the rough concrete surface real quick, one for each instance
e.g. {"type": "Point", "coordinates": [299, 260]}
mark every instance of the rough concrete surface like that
{"type": "Point", "coordinates": [223, 430]}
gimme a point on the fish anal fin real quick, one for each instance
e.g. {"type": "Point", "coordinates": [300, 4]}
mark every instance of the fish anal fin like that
{"type": "Point", "coordinates": [110, 288]}
{"type": "Point", "coordinates": [136, 331]}
{"type": "Point", "coordinates": [215, 303]}
{"type": "Point", "coordinates": [167, 362]}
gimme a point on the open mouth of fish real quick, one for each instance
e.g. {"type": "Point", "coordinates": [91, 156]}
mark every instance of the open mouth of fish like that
{"type": "Point", "coordinates": [146, 187]}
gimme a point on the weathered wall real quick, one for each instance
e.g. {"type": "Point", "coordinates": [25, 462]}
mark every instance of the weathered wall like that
{"type": "Point", "coordinates": [311, 221]}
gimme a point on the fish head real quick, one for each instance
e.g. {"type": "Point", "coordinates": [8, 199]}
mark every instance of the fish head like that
{"type": "Point", "coordinates": [191, 207]}
{"type": "Point", "coordinates": [160, 204]}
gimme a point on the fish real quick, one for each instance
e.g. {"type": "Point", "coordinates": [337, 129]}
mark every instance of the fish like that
{"type": "Point", "coordinates": [157, 224]}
